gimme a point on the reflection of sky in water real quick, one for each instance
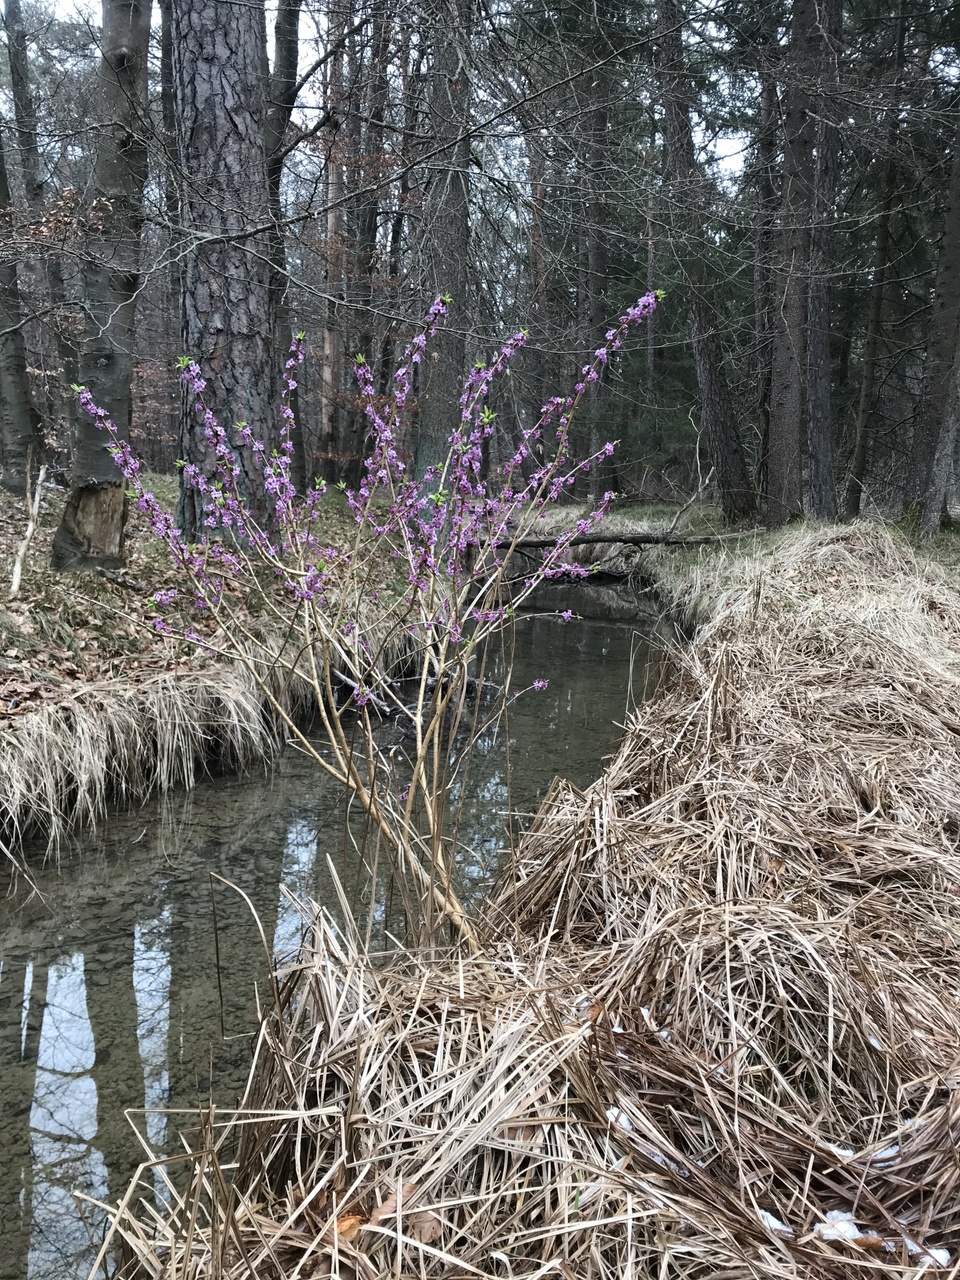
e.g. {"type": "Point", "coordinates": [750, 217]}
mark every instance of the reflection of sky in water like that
{"type": "Point", "coordinates": [109, 989]}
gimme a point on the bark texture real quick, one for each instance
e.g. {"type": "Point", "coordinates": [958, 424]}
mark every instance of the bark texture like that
{"type": "Point", "coordinates": [688, 202]}
{"type": "Point", "coordinates": [219, 66]}
{"type": "Point", "coordinates": [935, 420]}
{"type": "Point", "coordinates": [91, 530]}
{"type": "Point", "coordinates": [20, 432]}
{"type": "Point", "coordinates": [446, 225]}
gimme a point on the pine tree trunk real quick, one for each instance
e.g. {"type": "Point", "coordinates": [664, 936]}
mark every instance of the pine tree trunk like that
{"type": "Point", "coordinates": [219, 63]}
{"type": "Point", "coordinates": [686, 200]}
{"type": "Point", "coordinates": [91, 531]}
{"type": "Point", "coordinates": [789, 349]}
{"type": "Point", "coordinates": [821, 480]}
{"type": "Point", "coordinates": [853, 496]}
{"type": "Point", "coordinates": [20, 433]}
{"type": "Point", "coordinates": [935, 417]}
{"type": "Point", "coordinates": [445, 239]}
{"type": "Point", "coordinates": [764, 249]}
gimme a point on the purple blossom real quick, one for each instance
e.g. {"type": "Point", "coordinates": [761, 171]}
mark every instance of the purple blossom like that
{"type": "Point", "coordinates": [453, 523]}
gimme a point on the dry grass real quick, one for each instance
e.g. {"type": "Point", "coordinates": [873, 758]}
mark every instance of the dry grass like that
{"type": "Point", "coordinates": [96, 707]}
{"type": "Point", "coordinates": [719, 999]}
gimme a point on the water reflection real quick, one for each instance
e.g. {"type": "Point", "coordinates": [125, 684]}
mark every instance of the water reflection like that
{"type": "Point", "coordinates": [130, 978]}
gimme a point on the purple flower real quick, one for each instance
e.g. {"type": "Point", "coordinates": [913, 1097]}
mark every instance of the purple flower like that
{"type": "Point", "coordinates": [540, 685]}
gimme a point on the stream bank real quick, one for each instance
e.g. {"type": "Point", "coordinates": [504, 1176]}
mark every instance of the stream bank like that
{"type": "Point", "coordinates": [136, 973]}
{"type": "Point", "coordinates": [715, 1027]}
{"type": "Point", "coordinates": [98, 707]}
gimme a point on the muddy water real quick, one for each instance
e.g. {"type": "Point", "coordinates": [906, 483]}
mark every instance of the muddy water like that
{"type": "Point", "coordinates": [129, 978]}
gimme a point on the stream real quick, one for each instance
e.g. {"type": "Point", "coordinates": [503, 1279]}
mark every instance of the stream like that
{"type": "Point", "coordinates": [130, 974]}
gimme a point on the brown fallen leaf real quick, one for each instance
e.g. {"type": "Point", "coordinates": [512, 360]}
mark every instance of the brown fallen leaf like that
{"type": "Point", "coordinates": [345, 1228]}
{"type": "Point", "coordinates": [389, 1207]}
{"type": "Point", "coordinates": [426, 1227]}
{"type": "Point", "coordinates": [422, 1226]}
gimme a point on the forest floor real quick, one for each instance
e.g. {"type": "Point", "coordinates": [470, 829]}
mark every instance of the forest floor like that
{"type": "Point", "coordinates": [714, 1024]}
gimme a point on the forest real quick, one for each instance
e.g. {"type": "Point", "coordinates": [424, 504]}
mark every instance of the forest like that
{"type": "Point", "coordinates": [211, 179]}
{"type": "Point", "coordinates": [439, 342]}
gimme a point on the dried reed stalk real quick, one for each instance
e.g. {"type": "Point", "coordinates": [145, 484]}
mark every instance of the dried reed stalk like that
{"type": "Point", "coordinates": [723, 1039]}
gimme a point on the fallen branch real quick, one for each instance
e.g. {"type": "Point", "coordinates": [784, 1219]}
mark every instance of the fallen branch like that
{"type": "Point", "coordinates": [630, 539]}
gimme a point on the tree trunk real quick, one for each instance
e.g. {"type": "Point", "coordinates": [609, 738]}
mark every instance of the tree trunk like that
{"type": "Point", "coordinates": [941, 471]}
{"type": "Point", "coordinates": [111, 1000]}
{"type": "Point", "coordinates": [23, 1003]}
{"type": "Point", "coordinates": [219, 64]}
{"type": "Point", "coordinates": [934, 413]}
{"type": "Point", "coordinates": [688, 205]}
{"type": "Point", "coordinates": [368, 227]}
{"type": "Point", "coordinates": [766, 142]}
{"type": "Point", "coordinates": [853, 497]}
{"type": "Point", "coordinates": [283, 96]}
{"type": "Point", "coordinates": [34, 185]}
{"type": "Point", "coordinates": [91, 530]}
{"type": "Point", "coordinates": [596, 218]}
{"type": "Point", "coordinates": [20, 432]}
{"type": "Point", "coordinates": [821, 480]}
{"type": "Point", "coordinates": [445, 236]}
{"type": "Point", "coordinates": [789, 349]}
{"type": "Point", "coordinates": [333, 255]}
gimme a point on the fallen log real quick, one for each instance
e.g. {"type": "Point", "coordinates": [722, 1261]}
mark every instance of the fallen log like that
{"type": "Point", "coordinates": [630, 539]}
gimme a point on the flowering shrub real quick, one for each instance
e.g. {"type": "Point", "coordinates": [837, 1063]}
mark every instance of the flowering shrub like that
{"type": "Point", "coordinates": [452, 532]}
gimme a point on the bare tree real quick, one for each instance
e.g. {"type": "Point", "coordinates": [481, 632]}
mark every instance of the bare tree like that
{"type": "Point", "coordinates": [90, 534]}
{"type": "Point", "coordinates": [444, 244]}
{"type": "Point", "coordinates": [20, 432]}
{"type": "Point", "coordinates": [687, 202]}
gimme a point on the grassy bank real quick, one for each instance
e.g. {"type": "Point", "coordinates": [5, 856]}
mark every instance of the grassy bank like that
{"type": "Point", "coordinates": [714, 1029]}
{"type": "Point", "coordinates": [96, 707]}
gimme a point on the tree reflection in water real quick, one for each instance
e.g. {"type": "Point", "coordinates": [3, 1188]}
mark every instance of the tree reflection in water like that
{"type": "Point", "coordinates": [110, 994]}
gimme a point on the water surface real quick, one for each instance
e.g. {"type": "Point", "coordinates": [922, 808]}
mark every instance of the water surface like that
{"type": "Point", "coordinates": [130, 976]}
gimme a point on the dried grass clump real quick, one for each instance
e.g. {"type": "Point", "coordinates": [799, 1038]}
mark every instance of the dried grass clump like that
{"type": "Point", "coordinates": [121, 740]}
{"type": "Point", "coordinates": [62, 764]}
{"type": "Point", "coordinates": [715, 1027]}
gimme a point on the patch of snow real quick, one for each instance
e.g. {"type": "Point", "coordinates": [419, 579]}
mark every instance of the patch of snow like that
{"type": "Point", "coordinates": [888, 1153]}
{"type": "Point", "coordinates": [618, 1117]}
{"type": "Point", "coordinates": [843, 1152]}
{"type": "Point", "coordinates": [940, 1256]}
{"type": "Point", "coordinates": [774, 1224]}
{"type": "Point", "coordinates": [838, 1226]}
